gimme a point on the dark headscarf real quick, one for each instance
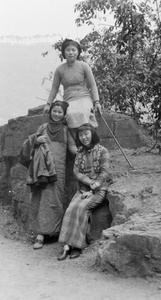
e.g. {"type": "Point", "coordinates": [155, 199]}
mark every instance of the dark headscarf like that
{"type": "Point", "coordinates": [55, 129]}
{"type": "Point", "coordinates": [68, 42]}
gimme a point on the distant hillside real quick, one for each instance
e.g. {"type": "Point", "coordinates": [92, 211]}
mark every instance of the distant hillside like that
{"type": "Point", "coordinates": [21, 73]}
{"type": "Point", "coordinates": [48, 38]}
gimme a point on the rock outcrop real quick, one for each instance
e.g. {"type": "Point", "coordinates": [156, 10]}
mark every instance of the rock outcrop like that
{"type": "Point", "coordinates": [17, 130]}
{"type": "Point", "coordinates": [130, 216]}
{"type": "Point", "coordinates": [132, 245]}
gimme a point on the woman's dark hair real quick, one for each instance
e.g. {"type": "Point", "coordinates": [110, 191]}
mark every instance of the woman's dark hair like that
{"type": "Point", "coordinates": [68, 42]}
{"type": "Point", "coordinates": [63, 104]}
{"type": "Point", "coordinates": [87, 126]}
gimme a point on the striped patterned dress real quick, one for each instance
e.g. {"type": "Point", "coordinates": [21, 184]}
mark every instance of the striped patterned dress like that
{"type": "Point", "coordinates": [89, 165]}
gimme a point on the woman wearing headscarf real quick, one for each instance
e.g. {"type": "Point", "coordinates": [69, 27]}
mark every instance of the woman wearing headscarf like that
{"type": "Point", "coordinates": [47, 174]}
{"type": "Point", "coordinates": [80, 89]}
{"type": "Point", "coordinates": [91, 170]}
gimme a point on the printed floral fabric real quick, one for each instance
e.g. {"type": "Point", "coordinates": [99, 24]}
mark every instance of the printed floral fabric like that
{"type": "Point", "coordinates": [81, 159]}
{"type": "Point", "coordinates": [92, 164]}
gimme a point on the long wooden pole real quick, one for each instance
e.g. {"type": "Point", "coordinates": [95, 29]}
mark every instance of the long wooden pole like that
{"type": "Point", "coordinates": [116, 141]}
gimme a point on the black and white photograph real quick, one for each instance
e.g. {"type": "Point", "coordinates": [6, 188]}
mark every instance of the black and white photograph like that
{"type": "Point", "coordinates": [80, 149]}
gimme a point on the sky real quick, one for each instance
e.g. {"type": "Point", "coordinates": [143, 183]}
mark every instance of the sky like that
{"type": "Point", "coordinates": [31, 17]}
{"type": "Point", "coordinates": [27, 18]}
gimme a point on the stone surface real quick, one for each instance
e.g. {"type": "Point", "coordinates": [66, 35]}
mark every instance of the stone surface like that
{"type": "Point", "coordinates": [132, 254]}
{"type": "Point", "coordinates": [123, 127]}
{"type": "Point", "coordinates": [132, 250]}
{"type": "Point", "coordinates": [132, 246]}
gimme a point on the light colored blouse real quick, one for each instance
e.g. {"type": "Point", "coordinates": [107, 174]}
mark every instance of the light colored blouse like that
{"type": "Point", "coordinates": [77, 80]}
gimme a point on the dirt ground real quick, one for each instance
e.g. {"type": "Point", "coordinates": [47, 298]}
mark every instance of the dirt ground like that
{"type": "Point", "coordinates": [29, 274]}
{"type": "Point", "coordinates": [37, 274]}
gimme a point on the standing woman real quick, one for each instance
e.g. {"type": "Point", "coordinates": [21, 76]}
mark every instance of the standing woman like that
{"type": "Point", "coordinates": [91, 170]}
{"type": "Point", "coordinates": [80, 89]}
{"type": "Point", "coordinates": [46, 210]}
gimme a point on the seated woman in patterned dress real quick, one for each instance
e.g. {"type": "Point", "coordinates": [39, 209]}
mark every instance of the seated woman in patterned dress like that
{"type": "Point", "coordinates": [91, 170]}
{"type": "Point", "coordinates": [80, 89]}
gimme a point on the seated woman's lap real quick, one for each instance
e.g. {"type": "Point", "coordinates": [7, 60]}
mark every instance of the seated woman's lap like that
{"type": "Point", "coordinates": [87, 203]}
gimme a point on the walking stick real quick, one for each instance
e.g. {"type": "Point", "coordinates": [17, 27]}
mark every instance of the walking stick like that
{"type": "Point", "coordinates": [116, 141]}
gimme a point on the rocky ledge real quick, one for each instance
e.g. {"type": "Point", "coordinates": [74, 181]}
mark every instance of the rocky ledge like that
{"type": "Point", "coordinates": [132, 245]}
{"type": "Point", "coordinates": [130, 217]}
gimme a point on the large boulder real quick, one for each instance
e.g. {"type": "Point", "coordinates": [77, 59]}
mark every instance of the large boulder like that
{"type": "Point", "coordinates": [13, 134]}
{"type": "Point", "coordinates": [118, 205]}
{"type": "Point", "coordinates": [132, 245]}
{"type": "Point", "coordinates": [132, 249]}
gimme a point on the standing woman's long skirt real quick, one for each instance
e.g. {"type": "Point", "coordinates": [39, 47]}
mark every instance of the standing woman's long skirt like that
{"type": "Point", "coordinates": [46, 208]}
{"type": "Point", "coordinates": [76, 220]}
{"type": "Point", "coordinates": [80, 111]}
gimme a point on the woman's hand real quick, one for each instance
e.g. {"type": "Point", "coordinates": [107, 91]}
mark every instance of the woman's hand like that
{"type": "Point", "coordinates": [41, 139]}
{"type": "Point", "coordinates": [46, 108]}
{"type": "Point", "coordinates": [95, 185]}
{"type": "Point", "coordinates": [97, 107]}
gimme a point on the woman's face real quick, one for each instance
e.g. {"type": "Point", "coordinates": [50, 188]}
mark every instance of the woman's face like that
{"type": "Point", "coordinates": [57, 113]}
{"type": "Point", "coordinates": [85, 137]}
{"type": "Point", "coordinates": [71, 53]}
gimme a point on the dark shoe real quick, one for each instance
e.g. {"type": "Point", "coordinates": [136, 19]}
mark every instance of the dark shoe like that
{"type": "Point", "coordinates": [75, 253]}
{"type": "Point", "coordinates": [64, 254]}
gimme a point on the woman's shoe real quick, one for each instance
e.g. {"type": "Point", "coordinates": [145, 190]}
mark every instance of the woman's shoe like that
{"type": "Point", "coordinates": [38, 244]}
{"type": "Point", "coordinates": [64, 254]}
{"type": "Point", "coordinates": [75, 253]}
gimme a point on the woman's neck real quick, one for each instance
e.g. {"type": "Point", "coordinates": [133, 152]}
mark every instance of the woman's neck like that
{"type": "Point", "coordinates": [89, 147]}
{"type": "Point", "coordinates": [71, 63]}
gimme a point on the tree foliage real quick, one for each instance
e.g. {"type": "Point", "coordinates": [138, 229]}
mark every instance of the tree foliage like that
{"type": "Point", "coordinates": [125, 57]}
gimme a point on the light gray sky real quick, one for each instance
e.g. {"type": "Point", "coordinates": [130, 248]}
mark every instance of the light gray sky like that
{"type": "Point", "coordinates": [31, 17]}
